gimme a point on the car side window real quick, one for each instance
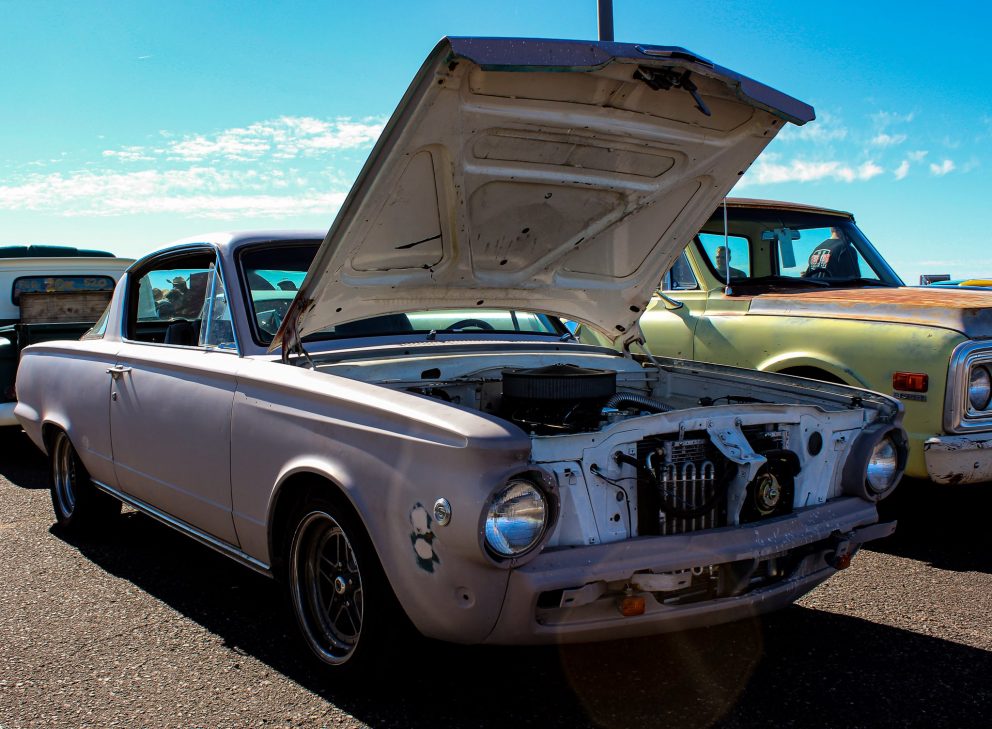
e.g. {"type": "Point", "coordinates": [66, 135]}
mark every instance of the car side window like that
{"type": "Point", "coordinates": [169, 301]}
{"type": "Point", "coordinates": [680, 276]}
{"type": "Point", "coordinates": [716, 247]}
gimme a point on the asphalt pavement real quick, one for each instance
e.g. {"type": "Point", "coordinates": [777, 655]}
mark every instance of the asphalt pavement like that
{"type": "Point", "coordinates": [142, 627]}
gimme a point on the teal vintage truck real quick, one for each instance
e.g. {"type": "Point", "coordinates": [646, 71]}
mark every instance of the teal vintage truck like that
{"type": "Point", "coordinates": [48, 293]}
{"type": "Point", "coordinates": [798, 289]}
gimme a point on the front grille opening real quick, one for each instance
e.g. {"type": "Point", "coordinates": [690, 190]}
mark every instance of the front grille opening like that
{"type": "Point", "coordinates": [681, 485]}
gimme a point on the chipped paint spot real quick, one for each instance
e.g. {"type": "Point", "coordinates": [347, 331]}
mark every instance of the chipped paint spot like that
{"type": "Point", "coordinates": [422, 538]}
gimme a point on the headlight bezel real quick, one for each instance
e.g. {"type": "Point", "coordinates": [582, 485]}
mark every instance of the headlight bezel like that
{"type": "Point", "coordinates": [959, 416]}
{"type": "Point", "coordinates": [854, 478]}
{"type": "Point", "coordinates": [544, 485]}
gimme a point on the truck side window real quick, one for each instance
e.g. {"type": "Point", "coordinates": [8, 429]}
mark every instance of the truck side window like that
{"type": "Point", "coordinates": [715, 246]}
{"type": "Point", "coordinates": [680, 276]}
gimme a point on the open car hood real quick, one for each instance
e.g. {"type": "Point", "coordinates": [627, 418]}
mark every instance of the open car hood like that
{"type": "Point", "coordinates": [543, 175]}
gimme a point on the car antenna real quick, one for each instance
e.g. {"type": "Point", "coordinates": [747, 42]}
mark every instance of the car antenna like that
{"type": "Point", "coordinates": [726, 251]}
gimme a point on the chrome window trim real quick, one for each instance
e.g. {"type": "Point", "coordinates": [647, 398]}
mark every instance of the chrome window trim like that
{"type": "Point", "coordinates": [958, 415]}
{"type": "Point", "coordinates": [152, 261]}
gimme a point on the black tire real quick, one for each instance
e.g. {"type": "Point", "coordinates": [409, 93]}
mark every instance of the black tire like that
{"type": "Point", "coordinates": [346, 613]}
{"type": "Point", "coordinates": [78, 505]}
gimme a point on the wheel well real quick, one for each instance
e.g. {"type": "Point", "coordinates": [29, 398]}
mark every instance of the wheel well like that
{"type": "Point", "coordinates": [294, 492]}
{"type": "Point", "coordinates": [813, 373]}
{"type": "Point", "coordinates": [48, 431]}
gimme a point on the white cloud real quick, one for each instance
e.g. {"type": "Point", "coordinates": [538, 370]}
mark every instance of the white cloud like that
{"type": "Point", "coordinates": [887, 140]}
{"type": "Point", "coordinates": [769, 171]}
{"type": "Point", "coordinates": [128, 154]}
{"type": "Point", "coordinates": [902, 170]}
{"type": "Point", "coordinates": [282, 167]}
{"type": "Point", "coordinates": [284, 138]}
{"type": "Point", "coordinates": [868, 170]}
{"type": "Point", "coordinates": [197, 192]}
{"type": "Point", "coordinates": [825, 128]}
{"type": "Point", "coordinates": [942, 169]}
{"type": "Point", "coordinates": [917, 156]}
{"type": "Point", "coordinates": [883, 119]}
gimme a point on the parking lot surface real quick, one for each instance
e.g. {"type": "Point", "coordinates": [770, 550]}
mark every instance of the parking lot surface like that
{"type": "Point", "coordinates": [142, 627]}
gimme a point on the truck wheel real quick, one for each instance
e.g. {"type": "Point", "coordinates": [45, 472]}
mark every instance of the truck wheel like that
{"type": "Point", "coordinates": [338, 593]}
{"type": "Point", "coordinates": [77, 502]}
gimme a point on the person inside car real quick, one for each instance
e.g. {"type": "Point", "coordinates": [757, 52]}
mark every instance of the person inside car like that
{"type": "Point", "coordinates": [833, 258]}
{"type": "Point", "coordinates": [722, 256]}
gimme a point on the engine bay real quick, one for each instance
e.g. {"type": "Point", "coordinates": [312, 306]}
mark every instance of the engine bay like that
{"type": "Point", "coordinates": [641, 450]}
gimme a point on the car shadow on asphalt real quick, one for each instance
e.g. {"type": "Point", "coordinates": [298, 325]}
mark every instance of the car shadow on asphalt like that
{"type": "Point", "coordinates": [945, 526]}
{"type": "Point", "coordinates": [21, 462]}
{"type": "Point", "coordinates": [800, 667]}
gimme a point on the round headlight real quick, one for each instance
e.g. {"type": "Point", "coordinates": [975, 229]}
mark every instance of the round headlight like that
{"type": "Point", "coordinates": [979, 388]}
{"type": "Point", "coordinates": [516, 520]}
{"type": "Point", "coordinates": [882, 466]}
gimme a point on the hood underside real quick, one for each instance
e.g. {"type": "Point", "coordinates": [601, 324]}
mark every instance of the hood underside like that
{"type": "Point", "coordinates": [968, 312]}
{"type": "Point", "coordinates": [553, 176]}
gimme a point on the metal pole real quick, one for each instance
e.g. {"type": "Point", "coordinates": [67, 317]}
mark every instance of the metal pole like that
{"type": "Point", "coordinates": [605, 20]}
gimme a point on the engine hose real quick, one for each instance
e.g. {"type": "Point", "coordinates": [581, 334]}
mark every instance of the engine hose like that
{"type": "Point", "coordinates": [636, 398]}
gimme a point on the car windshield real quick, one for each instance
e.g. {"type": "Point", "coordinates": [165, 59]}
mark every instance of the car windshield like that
{"type": "Point", "coordinates": [273, 274]}
{"type": "Point", "coordinates": [778, 247]}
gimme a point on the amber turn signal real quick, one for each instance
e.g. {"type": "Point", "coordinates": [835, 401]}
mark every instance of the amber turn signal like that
{"type": "Point", "coordinates": [910, 381]}
{"type": "Point", "coordinates": [843, 561]}
{"type": "Point", "coordinates": [631, 605]}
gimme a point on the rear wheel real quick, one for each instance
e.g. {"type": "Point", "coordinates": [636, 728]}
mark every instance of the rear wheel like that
{"type": "Point", "coordinates": [339, 596]}
{"type": "Point", "coordinates": [77, 502]}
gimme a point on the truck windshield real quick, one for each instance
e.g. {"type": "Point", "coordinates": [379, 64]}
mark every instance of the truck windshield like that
{"type": "Point", "coordinates": [792, 247]}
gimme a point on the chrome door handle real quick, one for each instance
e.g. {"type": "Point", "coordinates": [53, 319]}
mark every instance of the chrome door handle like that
{"type": "Point", "coordinates": [117, 370]}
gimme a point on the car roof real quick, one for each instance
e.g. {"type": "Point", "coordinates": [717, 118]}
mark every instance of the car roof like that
{"type": "Point", "coordinates": [743, 202]}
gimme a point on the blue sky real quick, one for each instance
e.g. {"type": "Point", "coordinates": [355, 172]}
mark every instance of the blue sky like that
{"type": "Point", "coordinates": [125, 125]}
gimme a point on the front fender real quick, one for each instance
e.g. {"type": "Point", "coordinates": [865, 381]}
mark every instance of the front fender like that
{"type": "Point", "coordinates": [825, 362]}
{"type": "Point", "coordinates": [392, 455]}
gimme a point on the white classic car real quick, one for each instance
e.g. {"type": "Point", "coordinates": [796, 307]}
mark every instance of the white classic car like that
{"type": "Point", "coordinates": [394, 420]}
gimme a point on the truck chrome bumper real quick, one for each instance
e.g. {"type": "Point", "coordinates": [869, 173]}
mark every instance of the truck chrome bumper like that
{"type": "Point", "coordinates": [823, 538]}
{"type": "Point", "coordinates": [954, 459]}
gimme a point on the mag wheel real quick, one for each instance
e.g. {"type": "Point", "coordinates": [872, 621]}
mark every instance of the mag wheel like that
{"type": "Point", "coordinates": [339, 596]}
{"type": "Point", "coordinates": [78, 505]}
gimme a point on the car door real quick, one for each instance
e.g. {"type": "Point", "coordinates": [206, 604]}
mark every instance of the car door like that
{"type": "Point", "coordinates": [669, 323]}
{"type": "Point", "coordinates": [724, 333]}
{"type": "Point", "coordinates": [173, 392]}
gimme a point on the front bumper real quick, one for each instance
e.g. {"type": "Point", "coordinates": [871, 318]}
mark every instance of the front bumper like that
{"type": "Point", "coordinates": [954, 459]}
{"type": "Point", "coordinates": [830, 532]}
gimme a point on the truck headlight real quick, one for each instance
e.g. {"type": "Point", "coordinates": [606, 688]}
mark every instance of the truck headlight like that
{"type": "Point", "coordinates": [979, 388]}
{"type": "Point", "coordinates": [883, 466]}
{"type": "Point", "coordinates": [516, 518]}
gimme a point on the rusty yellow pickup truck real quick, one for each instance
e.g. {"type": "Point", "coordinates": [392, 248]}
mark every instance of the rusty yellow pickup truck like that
{"type": "Point", "coordinates": [782, 287]}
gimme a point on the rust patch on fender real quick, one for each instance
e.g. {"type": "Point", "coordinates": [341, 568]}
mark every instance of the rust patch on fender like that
{"type": "Point", "coordinates": [968, 312]}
